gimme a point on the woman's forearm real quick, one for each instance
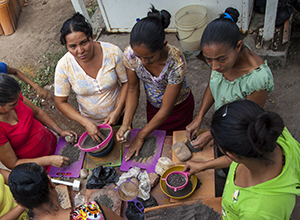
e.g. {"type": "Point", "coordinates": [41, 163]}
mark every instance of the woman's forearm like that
{"type": "Point", "coordinates": [122, 98]}
{"type": "Point", "coordinates": [154, 123]}
{"type": "Point", "coordinates": [13, 213]}
{"type": "Point", "coordinates": [17, 73]}
{"type": "Point", "coordinates": [45, 119]}
{"type": "Point", "coordinates": [207, 102]}
{"type": "Point", "coordinates": [43, 161]}
{"type": "Point", "coordinates": [70, 112]}
{"type": "Point", "coordinates": [132, 100]}
{"type": "Point", "coordinates": [168, 103]}
{"type": "Point", "coordinates": [5, 174]}
{"type": "Point", "coordinates": [22, 77]}
{"type": "Point", "coordinates": [42, 116]}
{"type": "Point", "coordinates": [218, 163]}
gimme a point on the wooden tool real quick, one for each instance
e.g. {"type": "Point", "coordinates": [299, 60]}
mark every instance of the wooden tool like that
{"type": "Point", "coordinates": [157, 212]}
{"type": "Point", "coordinates": [63, 196]}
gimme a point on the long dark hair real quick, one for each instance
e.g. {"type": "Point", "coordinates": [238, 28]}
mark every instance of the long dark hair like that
{"type": "Point", "coordinates": [222, 30]}
{"type": "Point", "coordinates": [9, 89]}
{"type": "Point", "coordinates": [150, 30]}
{"type": "Point", "coordinates": [77, 23]}
{"type": "Point", "coordinates": [244, 128]}
{"type": "Point", "coordinates": [29, 185]}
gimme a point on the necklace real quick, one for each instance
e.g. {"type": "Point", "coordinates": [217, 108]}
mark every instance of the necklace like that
{"type": "Point", "coordinates": [5, 116]}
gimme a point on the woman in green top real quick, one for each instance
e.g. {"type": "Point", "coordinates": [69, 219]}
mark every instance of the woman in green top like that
{"type": "Point", "coordinates": [237, 72]}
{"type": "Point", "coordinates": [264, 159]}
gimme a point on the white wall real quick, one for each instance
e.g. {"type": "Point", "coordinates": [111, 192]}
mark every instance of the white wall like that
{"type": "Point", "coordinates": [120, 15]}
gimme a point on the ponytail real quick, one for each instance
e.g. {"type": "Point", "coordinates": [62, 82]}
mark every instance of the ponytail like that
{"type": "Point", "coordinates": [29, 185]}
{"type": "Point", "coordinates": [264, 131]}
{"type": "Point", "coordinates": [222, 30]}
{"type": "Point", "coordinates": [246, 129]}
{"type": "Point", "coordinates": [150, 30]}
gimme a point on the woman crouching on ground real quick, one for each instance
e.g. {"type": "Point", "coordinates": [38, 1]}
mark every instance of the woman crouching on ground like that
{"type": "Point", "coordinates": [33, 189]}
{"type": "Point", "coordinates": [264, 176]}
{"type": "Point", "coordinates": [94, 70]}
{"type": "Point", "coordinates": [23, 135]}
{"type": "Point", "coordinates": [236, 72]}
{"type": "Point", "coordinates": [162, 69]}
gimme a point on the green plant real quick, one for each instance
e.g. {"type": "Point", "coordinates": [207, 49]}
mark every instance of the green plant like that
{"type": "Point", "coordinates": [45, 74]}
{"type": "Point", "coordinates": [91, 9]}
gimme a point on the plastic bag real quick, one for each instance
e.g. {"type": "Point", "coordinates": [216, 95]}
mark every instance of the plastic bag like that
{"type": "Point", "coordinates": [78, 199]}
{"type": "Point", "coordinates": [283, 13]}
{"type": "Point", "coordinates": [295, 3]}
{"type": "Point", "coordinates": [162, 165]}
{"type": "Point", "coordinates": [143, 178]}
{"type": "Point", "coordinates": [101, 176]}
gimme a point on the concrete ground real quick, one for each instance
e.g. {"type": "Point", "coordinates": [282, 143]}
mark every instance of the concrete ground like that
{"type": "Point", "coordinates": [38, 32]}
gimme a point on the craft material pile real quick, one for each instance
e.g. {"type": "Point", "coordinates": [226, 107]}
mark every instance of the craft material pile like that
{"type": "Point", "coordinates": [71, 152]}
{"type": "Point", "coordinates": [89, 142]}
{"type": "Point", "coordinates": [147, 150]}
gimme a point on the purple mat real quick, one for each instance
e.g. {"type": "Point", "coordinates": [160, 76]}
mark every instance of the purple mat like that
{"type": "Point", "coordinates": [72, 170]}
{"type": "Point", "coordinates": [151, 162]}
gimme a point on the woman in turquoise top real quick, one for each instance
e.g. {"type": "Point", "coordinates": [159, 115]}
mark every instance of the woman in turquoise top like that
{"type": "Point", "coordinates": [264, 177]}
{"type": "Point", "coordinates": [237, 72]}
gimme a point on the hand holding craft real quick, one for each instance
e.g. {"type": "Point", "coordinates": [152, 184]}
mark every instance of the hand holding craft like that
{"type": "Point", "coordinates": [112, 118]}
{"type": "Point", "coordinates": [193, 167]}
{"type": "Point", "coordinates": [59, 161]}
{"type": "Point", "coordinates": [69, 133]}
{"type": "Point", "coordinates": [94, 132]}
{"type": "Point", "coordinates": [121, 137]}
{"type": "Point", "coordinates": [44, 94]}
{"type": "Point", "coordinates": [192, 129]}
{"type": "Point", "coordinates": [202, 140]}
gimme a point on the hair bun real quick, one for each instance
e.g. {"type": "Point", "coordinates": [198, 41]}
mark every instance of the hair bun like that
{"type": "Point", "coordinates": [163, 15]}
{"type": "Point", "coordinates": [234, 13]}
{"type": "Point", "coordinates": [29, 186]}
{"type": "Point", "coordinates": [264, 131]}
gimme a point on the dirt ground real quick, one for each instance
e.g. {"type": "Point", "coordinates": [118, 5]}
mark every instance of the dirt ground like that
{"type": "Point", "coordinates": [38, 32]}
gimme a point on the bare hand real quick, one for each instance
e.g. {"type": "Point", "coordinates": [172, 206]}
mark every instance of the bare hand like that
{"type": "Point", "coordinates": [44, 94]}
{"type": "Point", "coordinates": [192, 129]}
{"type": "Point", "coordinates": [202, 140]}
{"type": "Point", "coordinates": [120, 133]}
{"type": "Point", "coordinates": [87, 196]}
{"type": "Point", "coordinates": [94, 132]}
{"type": "Point", "coordinates": [193, 167]}
{"type": "Point", "coordinates": [59, 161]}
{"type": "Point", "coordinates": [70, 133]}
{"type": "Point", "coordinates": [134, 147]}
{"type": "Point", "coordinates": [112, 118]}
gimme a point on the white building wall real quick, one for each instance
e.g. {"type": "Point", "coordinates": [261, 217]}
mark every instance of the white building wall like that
{"type": "Point", "coordinates": [120, 15]}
